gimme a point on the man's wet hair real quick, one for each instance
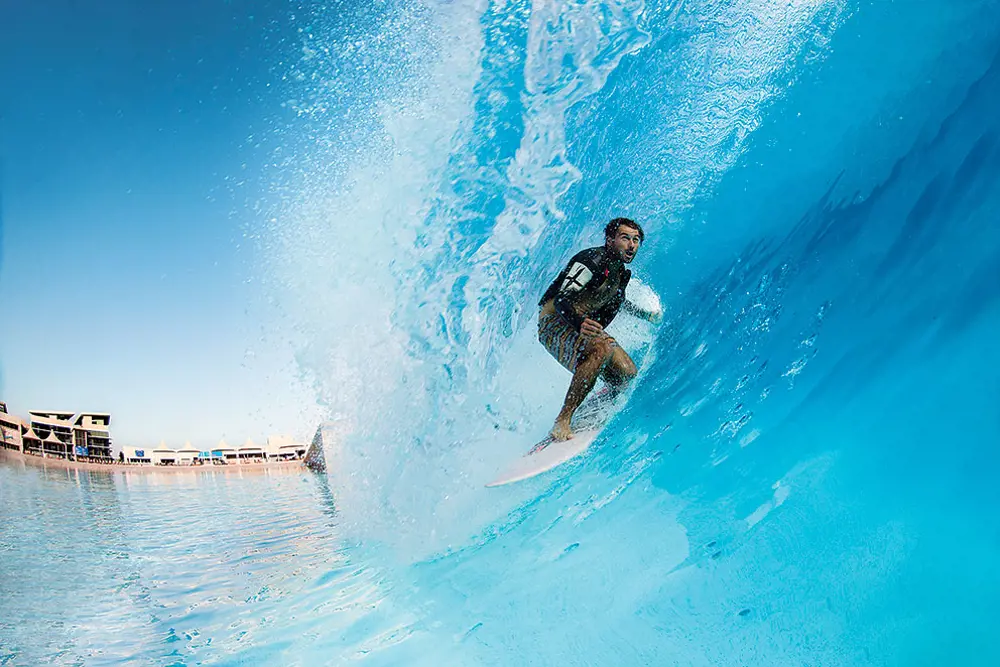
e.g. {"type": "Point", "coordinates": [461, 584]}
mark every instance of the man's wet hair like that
{"type": "Point", "coordinates": [611, 230]}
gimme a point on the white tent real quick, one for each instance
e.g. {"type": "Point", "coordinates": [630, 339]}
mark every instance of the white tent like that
{"type": "Point", "coordinates": [224, 453]}
{"type": "Point", "coordinates": [163, 455]}
{"type": "Point", "coordinates": [54, 445]}
{"type": "Point", "coordinates": [187, 455]}
{"type": "Point", "coordinates": [251, 452]}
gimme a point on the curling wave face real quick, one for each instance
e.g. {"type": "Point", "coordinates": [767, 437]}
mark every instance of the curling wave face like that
{"type": "Point", "coordinates": [802, 474]}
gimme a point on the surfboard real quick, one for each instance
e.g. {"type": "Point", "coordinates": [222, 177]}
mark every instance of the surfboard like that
{"type": "Point", "coordinates": [588, 422]}
{"type": "Point", "coordinates": [551, 454]}
{"type": "Point", "coordinates": [597, 409]}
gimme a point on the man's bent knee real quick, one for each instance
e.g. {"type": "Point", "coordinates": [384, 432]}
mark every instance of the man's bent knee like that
{"type": "Point", "coordinates": [624, 366]}
{"type": "Point", "coordinates": [602, 348]}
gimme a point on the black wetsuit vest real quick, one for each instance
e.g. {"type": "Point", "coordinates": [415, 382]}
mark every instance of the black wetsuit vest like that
{"type": "Point", "coordinates": [591, 286]}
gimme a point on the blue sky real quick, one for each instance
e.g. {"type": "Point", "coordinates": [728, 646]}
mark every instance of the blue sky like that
{"type": "Point", "coordinates": [126, 172]}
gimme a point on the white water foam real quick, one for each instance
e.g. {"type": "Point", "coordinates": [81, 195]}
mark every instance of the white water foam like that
{"type": "Point", "coordinates": [365, 276]}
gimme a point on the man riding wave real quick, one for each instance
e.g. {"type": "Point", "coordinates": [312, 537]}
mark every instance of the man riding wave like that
{"type": "Point", "coordinates": [583, 299]}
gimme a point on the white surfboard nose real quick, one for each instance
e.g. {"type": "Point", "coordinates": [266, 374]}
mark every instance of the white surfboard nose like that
{"type": "Point", "coordinates": [547, 458]}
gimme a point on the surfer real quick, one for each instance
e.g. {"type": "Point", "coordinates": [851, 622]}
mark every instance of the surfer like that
{"type": "Point", "coordinates": [578, 305]}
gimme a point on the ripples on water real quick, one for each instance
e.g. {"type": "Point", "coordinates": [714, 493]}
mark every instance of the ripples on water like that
{"type": "Point", "coordinates": [179, 569]}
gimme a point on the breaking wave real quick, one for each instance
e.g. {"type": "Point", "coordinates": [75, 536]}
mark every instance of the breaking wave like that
{"type": "Point", "coordinates": [802, 475]}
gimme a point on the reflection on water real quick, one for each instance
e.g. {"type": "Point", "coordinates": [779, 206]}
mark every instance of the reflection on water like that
{"type": "Point", "coordinates": [116, 568]}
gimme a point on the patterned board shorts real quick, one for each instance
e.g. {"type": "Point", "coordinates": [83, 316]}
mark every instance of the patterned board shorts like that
{"type": "Point", "coordinates": [562, 342]}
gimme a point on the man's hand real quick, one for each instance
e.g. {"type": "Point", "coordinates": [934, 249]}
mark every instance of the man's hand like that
{"type": "Point", "coordinates": [591, 329]}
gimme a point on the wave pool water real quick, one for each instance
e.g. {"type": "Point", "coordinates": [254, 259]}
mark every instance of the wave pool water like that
{"type": "Point", "coordinates": [805, 472]}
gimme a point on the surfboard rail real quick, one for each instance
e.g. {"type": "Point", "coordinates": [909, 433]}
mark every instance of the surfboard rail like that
{"type": "Point", "coordinates": [542, 460]}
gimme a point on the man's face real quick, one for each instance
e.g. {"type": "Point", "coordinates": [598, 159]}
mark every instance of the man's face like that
{"type": "Point", "coordinates": [625, 243]}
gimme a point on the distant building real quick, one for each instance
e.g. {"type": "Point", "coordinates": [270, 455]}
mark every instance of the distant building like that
{"type": "Point", "coordinates": [68, 435]}
{"type": "Point", "coordinates": [223, 453]}
{"type": "Point", "coordinates": [11, 430]}
{"type": "Point", "coordinates": [86, 436]}
{"type": "Point", "coordinates": [50, 434]}
{"type": "Point", "coordinates": [91, 432]}
{"type": "Point", "coordinates": [163, 455]}
{"type": "Point", "coordinates": [250, 452]}
{"type": "Point", "coordinates": [277, 449]}
{"type": "Point", "coordinates": [188, 455]}
{"type": "Point", "coordinates": [284, 448]}
{"type": "Point", "coordinates": [136, 455]}
{"type": "Point", "coordinates": [30, 442]}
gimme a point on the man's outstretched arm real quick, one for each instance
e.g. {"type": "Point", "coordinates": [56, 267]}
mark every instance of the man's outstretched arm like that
{"type": "Point", "coordinates": [653, 313]}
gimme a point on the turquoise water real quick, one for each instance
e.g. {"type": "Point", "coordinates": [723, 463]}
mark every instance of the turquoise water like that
{"type": "Point", "coordinates": [805, 474]}
{"type": "Point", "coordinates": [161, 569]}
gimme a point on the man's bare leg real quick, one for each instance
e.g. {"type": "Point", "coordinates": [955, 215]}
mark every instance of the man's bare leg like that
{"type": "Point", "coordinates": [619, 371]}
{"type": "Point", "coordinates": [597, 354]}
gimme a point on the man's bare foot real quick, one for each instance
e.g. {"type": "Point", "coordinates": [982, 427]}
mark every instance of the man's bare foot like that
{"type": "Point", "coordinates": [561, 431]}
